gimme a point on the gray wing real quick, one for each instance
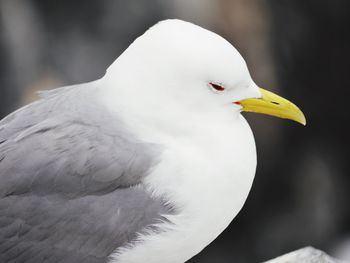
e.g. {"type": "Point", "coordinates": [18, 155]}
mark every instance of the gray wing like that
{"type": "Point", "coordinates": [70, 178]}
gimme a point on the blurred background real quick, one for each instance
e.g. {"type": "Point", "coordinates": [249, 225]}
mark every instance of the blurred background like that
{"type": "Point", "coordinates": [299, 49]}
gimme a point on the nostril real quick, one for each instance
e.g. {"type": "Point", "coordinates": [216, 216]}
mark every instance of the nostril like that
{"type": "Point", "coordinates": [274, 102]}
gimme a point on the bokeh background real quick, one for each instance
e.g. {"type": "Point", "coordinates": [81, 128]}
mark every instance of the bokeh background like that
{"type": "Point", "coordinates": [299, 49]}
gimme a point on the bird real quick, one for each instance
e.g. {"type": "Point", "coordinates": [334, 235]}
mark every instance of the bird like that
{"type": "Point", "coordinates": [149, 163]}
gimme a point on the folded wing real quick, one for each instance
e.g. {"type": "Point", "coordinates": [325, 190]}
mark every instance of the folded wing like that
{"type": "Point", "coordinates": [71, 181]}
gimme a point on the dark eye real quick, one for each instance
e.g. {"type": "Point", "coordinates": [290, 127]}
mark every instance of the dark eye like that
{"type": "Point", "coordinates": [217, 87]}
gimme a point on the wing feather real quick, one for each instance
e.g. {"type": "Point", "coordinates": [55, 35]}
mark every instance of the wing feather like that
{"type": "Point", "coordinates": [71, 181]}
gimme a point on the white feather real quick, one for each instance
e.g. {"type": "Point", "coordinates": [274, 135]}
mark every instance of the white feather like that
{"type": "Point", "coordinates": [159, 86]}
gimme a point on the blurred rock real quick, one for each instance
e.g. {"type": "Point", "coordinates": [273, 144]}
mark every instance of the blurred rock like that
{"type": "Point", "coordinates": [305, 255]}
{"type": "Point", "coordinates": [342, 249]}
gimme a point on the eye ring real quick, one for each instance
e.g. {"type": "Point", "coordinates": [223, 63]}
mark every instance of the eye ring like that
{"type": "Point", "coordinates": [216, 87]}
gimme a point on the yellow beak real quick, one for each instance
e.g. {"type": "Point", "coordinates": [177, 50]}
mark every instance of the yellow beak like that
{"type": "Point", "coordinates": [272, 104]}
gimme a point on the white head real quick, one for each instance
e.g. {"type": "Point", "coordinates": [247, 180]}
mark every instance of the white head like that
{"type": "Point", "coordinates": [184, 70]}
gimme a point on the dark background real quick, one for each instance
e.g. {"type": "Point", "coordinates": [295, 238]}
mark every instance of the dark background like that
{"type": "Point", "coordinates": [299, 49]}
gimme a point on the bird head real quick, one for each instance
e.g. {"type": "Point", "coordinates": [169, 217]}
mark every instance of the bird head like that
{"type": "Point", "coordinates": [176, 61]}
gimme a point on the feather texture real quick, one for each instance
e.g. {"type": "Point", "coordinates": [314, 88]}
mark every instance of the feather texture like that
{"type": "Point", "coordinates": [71, 181]}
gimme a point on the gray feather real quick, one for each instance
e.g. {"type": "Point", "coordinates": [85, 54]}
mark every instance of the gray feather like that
{"type": "Point", "coordinates": [71, 181]}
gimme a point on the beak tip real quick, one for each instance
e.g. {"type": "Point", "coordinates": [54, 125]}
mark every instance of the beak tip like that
{"type": "Point", "coordinates": [302, 119]}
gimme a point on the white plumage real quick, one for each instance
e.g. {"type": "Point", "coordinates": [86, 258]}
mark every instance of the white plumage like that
{"type": "Point", "coordinates": [209, 157]}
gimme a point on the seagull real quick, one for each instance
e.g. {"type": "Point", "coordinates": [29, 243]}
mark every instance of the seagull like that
{"type": "Point", "coordinates": [150, 163]}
